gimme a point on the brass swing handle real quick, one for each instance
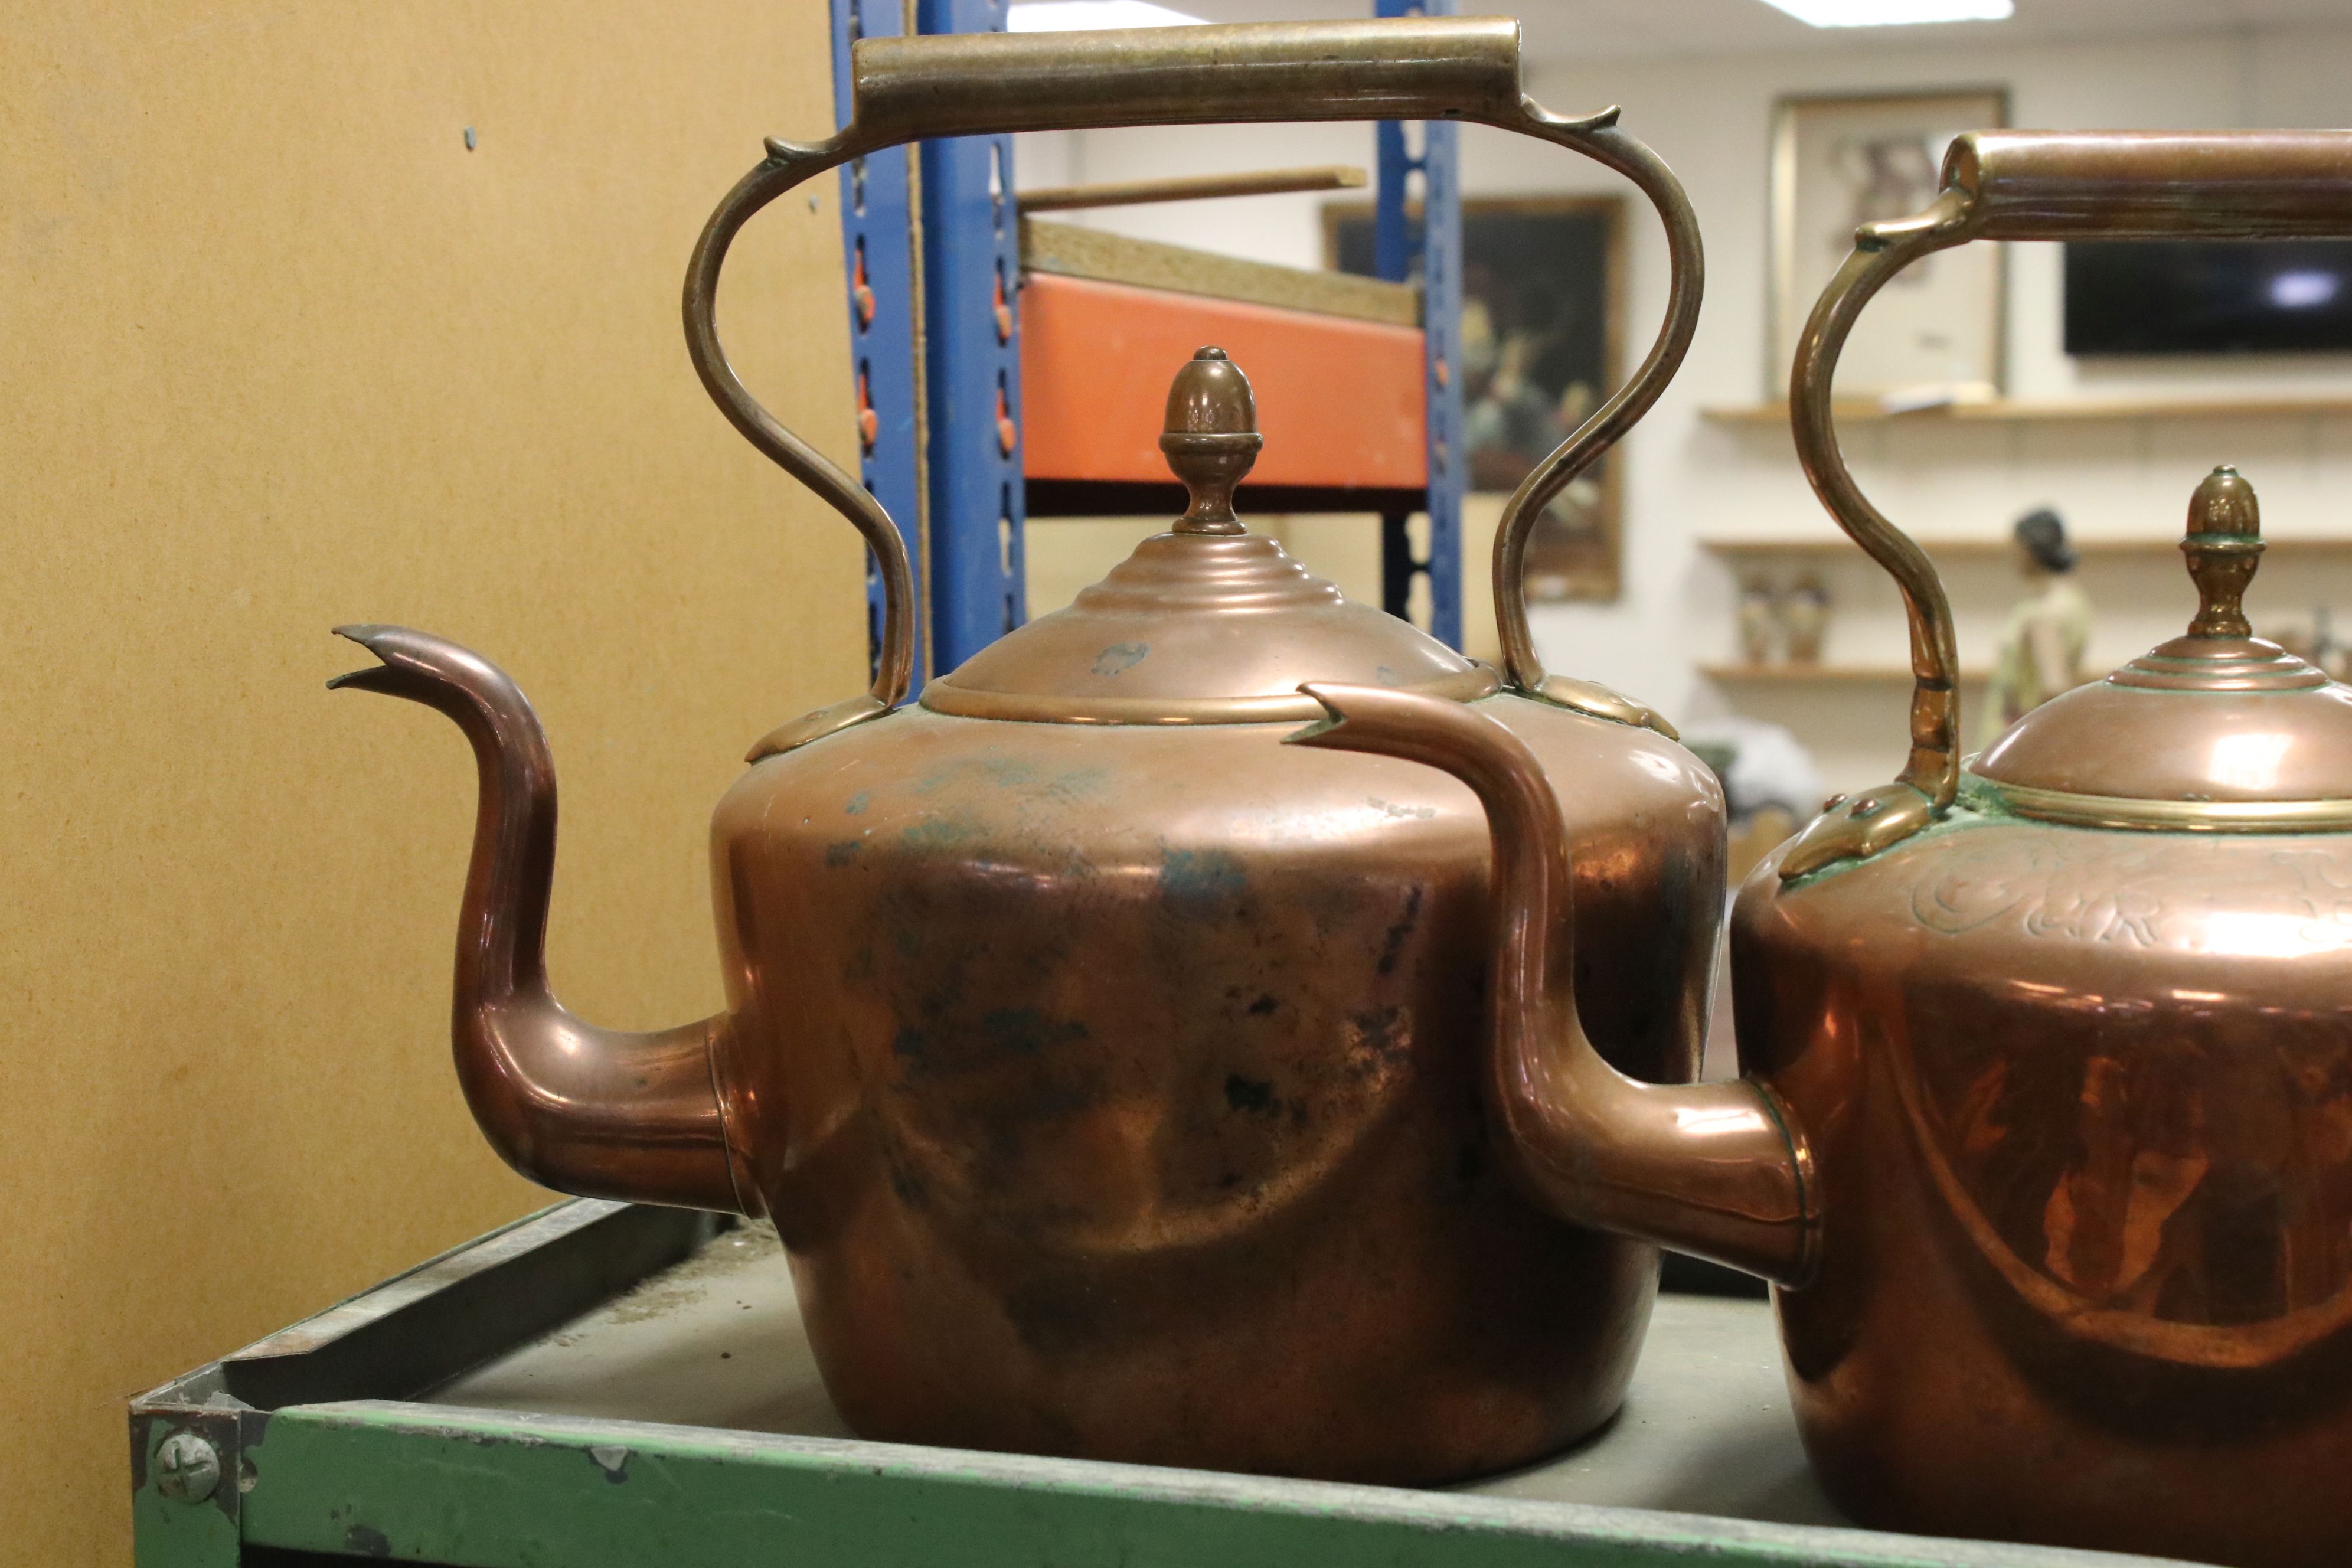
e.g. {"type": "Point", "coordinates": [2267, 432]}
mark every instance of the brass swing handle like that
{"type": "Point", "coordinates": [2022, 184]}
{"type": "Point", "coordinates": [1464, 69]}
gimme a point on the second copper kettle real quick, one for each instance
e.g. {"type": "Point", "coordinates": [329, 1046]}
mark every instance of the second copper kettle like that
{"type": "Point", "coordinates": [2061, 1035]}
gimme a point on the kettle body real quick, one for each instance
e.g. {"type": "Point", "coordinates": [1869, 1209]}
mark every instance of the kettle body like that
{"type": "Point", "coordinates": [1116, 1089]}
{"type": "Point", "coordinates": [2080, 1099]}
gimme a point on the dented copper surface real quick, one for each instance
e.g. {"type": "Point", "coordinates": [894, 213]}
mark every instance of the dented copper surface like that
{"type": "Point", "coordinates": [1117, 1074]}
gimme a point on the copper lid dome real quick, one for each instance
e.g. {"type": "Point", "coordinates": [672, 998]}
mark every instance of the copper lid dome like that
{"type": "Point", "coordinates": [1206, 624]}
{"type": "Point", "coordinates": [2214, 730]}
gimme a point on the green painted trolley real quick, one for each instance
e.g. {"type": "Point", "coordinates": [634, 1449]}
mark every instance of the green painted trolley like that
{"type": "Point", "coordinates": [604, 1385]}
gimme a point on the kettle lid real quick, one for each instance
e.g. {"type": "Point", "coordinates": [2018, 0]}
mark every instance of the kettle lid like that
{"type": "Point", "coordinates": [1207, 622]}
{"type": "Point", "coordinates": [2216, 731]}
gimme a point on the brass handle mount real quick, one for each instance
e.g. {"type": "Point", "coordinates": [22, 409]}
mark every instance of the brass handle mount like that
{"type": "Point", "coordinates": [2027, 185]}
{"type": "Point", "coordinates": [1423, 67]}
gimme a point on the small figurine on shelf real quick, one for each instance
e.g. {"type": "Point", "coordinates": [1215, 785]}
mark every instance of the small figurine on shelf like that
{"type": "Point", "coordinates": [1804, 617]}
{"type": "Point", "coordinates": [1760, 619]}
{"type": "Point", "coordinates": [2047, 633]}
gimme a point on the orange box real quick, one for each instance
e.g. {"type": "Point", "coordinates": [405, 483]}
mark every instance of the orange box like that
{"type": "Point", "coordinates": [1341, 401]}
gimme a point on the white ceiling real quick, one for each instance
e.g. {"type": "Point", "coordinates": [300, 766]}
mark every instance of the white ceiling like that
{"type": "Point", "coordinates": [1621, 29]}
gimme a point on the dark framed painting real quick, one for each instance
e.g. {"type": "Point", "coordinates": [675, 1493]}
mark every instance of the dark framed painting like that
{"type": "Point", "coordinates": [1542, 329]}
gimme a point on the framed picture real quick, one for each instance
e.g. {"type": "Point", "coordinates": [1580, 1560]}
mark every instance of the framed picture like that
{"type": "Point", "coordinates": [1542, 320]}
{"type": "Point", "coordinates": [1933, 333]}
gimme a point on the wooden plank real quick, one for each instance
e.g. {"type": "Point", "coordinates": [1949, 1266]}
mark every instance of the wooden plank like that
{"type": "Point", "coordinates": [1824, 674]}
{"type": "Point", "coordinates": [1997, 546]}
{"type": "Point", "coordinates": [2049, 410]}
{"type": "Point", "coordinates": [1191, 188]}
{"type": "Point", "coordinates": [1068, 250]}
{"type": "Point", "coordinates": [1341, 401]}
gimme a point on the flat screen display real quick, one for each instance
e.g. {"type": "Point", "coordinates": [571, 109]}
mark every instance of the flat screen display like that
{"type": "Point", "coordinates": [2209, 297]}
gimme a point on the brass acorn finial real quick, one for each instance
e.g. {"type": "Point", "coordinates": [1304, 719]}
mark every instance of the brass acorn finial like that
{"type": "Point", "coordinates": [1211, 439]}
{"type": "Point", "coordinates": [2224, 545]}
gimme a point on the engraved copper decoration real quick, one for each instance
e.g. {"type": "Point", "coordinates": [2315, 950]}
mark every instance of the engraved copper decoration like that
{"type": "Point", "coordinates": [1111, 1069]}
{"type": "Point", "coordinates": [2060, 1036]}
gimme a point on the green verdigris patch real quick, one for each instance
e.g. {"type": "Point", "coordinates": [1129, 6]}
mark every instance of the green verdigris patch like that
{"type": "Point", "coordinates": [1199, 877]}
{"type": "Point", "coordinates": [1119, 658]}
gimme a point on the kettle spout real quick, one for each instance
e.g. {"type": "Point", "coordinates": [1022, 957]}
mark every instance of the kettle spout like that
{"type": "Point", "coordinates": [1715, 1169]}
{"type": "Point", "coordinates": [598, 1112]}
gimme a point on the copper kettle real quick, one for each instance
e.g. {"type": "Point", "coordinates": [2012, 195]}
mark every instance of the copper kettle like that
{"type": "Point", "coordinates": [2063, 1033]}
{"type": "Point", "coordinates": [1111, 1068]}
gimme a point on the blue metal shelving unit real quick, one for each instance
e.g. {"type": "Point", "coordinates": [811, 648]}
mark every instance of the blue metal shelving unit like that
{"type": "Point", "coordinates": [878, 244]}
{"type": "Point", "coordinates": [1433, 248]}
{"type": "Point", "coordinates": [943, 440]}
{"type": "Point", "coordinates": [971, 345]}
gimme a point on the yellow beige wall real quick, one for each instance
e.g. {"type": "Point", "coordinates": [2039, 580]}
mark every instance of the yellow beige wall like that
{"type": "Point", "coordinates": [281, 352]}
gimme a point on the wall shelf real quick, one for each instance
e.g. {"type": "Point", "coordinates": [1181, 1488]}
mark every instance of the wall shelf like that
{"type": "Point", "coordinates": [1820, 674]}
{"type": "Point", "coordinates": [2015, 410]}
{"type": "Point", "coordinates": [1992, 547]}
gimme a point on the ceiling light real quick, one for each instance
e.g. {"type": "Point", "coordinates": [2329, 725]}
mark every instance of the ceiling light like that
{"type": "Point", "coordinates": [1092, 16]}
{"type": "Point", "coordinates": [1892, 13]}
{"type": "Point", "coordinates": [2304, 291]}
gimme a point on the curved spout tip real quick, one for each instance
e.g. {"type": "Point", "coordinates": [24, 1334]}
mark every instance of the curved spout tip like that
{"type": "Point", "coordinates": [370, 679]}
{"type": "Point", "coordinates": [399, 646]}
{"type": "Point", "coordinates": [437, 672]}
{"type": "Point", "coordinates": [1379, 718]}
{"type": "Point", "coordinates": [1334, 716]}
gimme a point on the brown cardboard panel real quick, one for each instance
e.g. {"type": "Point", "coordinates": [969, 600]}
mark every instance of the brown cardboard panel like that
{"type": "Point", "coordinates": [280, 351]}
